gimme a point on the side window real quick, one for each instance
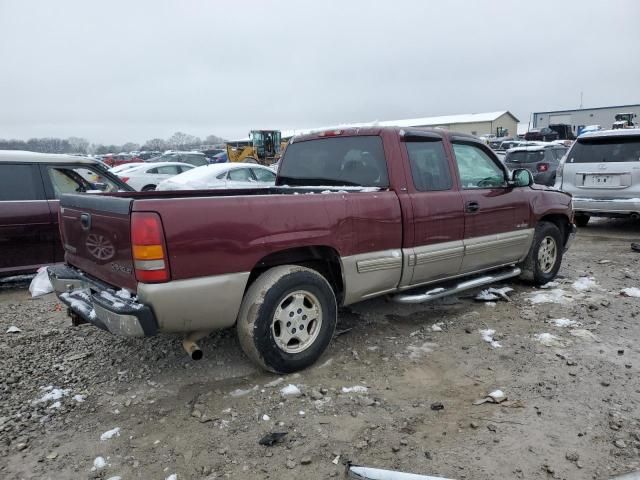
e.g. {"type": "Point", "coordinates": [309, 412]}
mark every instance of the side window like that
{"type": "Point", "coordinates": [79, 179]}
{"type": "Point", "coordinates": [184, 168]}
{"type": "Point", "coordinates": [152, 171]}
{"type": "Point", "coordinates": [20, 182]}
{"type": "Point", "coordinates": [263, 175]}
{"type": "Point", "coordinates": [168, 170]}
{"type": "Point", "coordinates": [241, 175]}
{"type": "Point", "coordinates": [476, 168]}
{"type": "Point", "coordinates": [197, 160]}
{"type": "Point", "coordinates": [429, 166]}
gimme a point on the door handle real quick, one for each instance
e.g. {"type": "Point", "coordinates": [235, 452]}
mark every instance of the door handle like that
{"type": "Point", "coordinates": [472, 207]}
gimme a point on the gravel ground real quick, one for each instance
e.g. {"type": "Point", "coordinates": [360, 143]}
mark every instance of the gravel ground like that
{"type": "Point", "coordinates": [396, 389]}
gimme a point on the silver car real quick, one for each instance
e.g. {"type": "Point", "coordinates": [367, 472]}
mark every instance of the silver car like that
{"type": "Point", "coordinates": [602, 172]}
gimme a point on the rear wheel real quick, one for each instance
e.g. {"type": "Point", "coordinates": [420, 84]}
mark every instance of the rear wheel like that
{"type": "Point", "coordinates": [582, 219]}
{"type": "Point", "coordinates": [287, 318]}
{"type": "Point", "coordinates": [545, 255]}
{"type": "Point", "coordinates": [148, 188]}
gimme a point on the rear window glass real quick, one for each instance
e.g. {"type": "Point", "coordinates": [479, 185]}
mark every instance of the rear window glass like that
{"type": "Point", "coordinates": [525, 157]}
{"type": "Point", "coordinates": [336, 161]}
{"type": "Point", "coordinates": [20, 182]}
{"type": "Point", "coordinates": [605, 150]}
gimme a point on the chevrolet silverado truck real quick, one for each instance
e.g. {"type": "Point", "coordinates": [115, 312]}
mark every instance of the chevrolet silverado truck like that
{"type": "Point", "coordinates": [413, 213]}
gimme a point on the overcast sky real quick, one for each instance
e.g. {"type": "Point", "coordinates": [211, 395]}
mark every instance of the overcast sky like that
{"type": "Point", "coordinates": [117, 71]}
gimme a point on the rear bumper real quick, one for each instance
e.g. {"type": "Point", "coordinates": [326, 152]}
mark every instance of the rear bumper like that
{"type": "Point", "coordinates": [618, 206]}
{"type": "Point", "coordinates": [98, 304]}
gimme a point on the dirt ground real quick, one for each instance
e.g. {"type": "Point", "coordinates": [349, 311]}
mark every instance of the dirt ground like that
{"type": "Point", "coordinates": [571, 410]}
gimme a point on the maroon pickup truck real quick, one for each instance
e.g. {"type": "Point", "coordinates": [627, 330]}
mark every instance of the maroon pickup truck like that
{"type": "Point", "coordinates": [357, 213]}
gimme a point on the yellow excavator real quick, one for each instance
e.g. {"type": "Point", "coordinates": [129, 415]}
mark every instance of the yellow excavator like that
{"type": "Point", "coordinates": [262, 146]}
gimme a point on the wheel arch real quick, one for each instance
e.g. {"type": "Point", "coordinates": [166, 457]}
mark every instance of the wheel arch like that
{"type": "Point", "coordinates": [561, 221]}
{"type": "Point", "coordinates": [321, 258]}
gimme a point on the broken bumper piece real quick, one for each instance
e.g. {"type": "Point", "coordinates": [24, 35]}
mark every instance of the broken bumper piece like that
{"type": "Point", "coordinates": [368, 473]}
{"type": "Point", "coordinates": [97, 303]}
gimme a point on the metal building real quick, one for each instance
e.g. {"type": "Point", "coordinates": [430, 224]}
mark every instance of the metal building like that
{"type": "Point", "coordinates": [580, 118]}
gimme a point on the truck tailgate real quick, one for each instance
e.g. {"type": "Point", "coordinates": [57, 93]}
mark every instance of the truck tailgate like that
{"type": "Point", "coordinates": [96, 237]}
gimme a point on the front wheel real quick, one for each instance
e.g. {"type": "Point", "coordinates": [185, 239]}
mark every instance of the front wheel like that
{"type": "Point", "coordinates": [545, 255]}
{"type": "Point", "coordinates": [287, 318]}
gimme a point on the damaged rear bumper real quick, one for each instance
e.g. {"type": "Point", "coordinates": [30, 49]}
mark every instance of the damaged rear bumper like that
{"type": "Point", "coordinates": [97, 303]}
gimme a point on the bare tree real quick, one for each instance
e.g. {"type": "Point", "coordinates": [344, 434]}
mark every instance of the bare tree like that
{"type": "Point", "coordinates": [155, 144]}
{"type": "Point", "coordinates": [78, 145]}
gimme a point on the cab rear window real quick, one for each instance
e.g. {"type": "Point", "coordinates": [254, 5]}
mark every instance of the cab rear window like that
{"type": "Point", "coordinates": [525, 157]}
{"type": "Point", "coordinates": [335, 161]}
{"type": "Point", "coordinates": [605, 150]}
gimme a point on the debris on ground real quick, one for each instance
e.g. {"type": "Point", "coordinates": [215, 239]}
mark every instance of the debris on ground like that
{"type": "Point", "coordinates": [13, 329]}
{"type": "Point", "coordinates": [630, 292]}
{"type": "Point", "coordinates": [491, 294]}
{"type": "Point", "coordinates": [272, 438]}
{"type": "Point", "coordinates": [437, 406]}
{"type": "Point", "coordinates": [437, 327]}
{"type": "Point", "coordinates": [564, 323]}
{"type": "Point", "coordinates": [355, 389]}
{"type": "Point", "coordinates": [290, 391]}
{"type": "Point", "coordinates": [114, 432]}
{"type": "Point", "coordinates": [497, 396]}
{"type": "Point", "coordinates": [550, 340]}
{"type": "Point", "coordinates": [369, 473]}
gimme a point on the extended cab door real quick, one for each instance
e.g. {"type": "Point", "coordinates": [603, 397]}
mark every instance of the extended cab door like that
{"type": "Point", "coordinates": [436, 249]}
{"type": "Point", "coordinates": [496, 216]}
{"type": "Point", "coordinates": [27, 232]}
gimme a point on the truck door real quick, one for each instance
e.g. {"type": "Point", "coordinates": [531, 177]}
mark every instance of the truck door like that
{"type": "Point", "coordinates": [436, 250]}
{"type": "Point", "coordinates": [496, 216]}
{"type": "Point", "coordinates": [27, 232]}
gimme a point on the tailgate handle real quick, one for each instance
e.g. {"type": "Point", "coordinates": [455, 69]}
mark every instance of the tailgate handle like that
{"type": "Point", "coordinates": [85, 221]}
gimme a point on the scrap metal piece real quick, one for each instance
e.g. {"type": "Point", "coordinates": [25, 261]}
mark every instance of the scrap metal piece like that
{"type": "Point", "coordinates": [368, 473]}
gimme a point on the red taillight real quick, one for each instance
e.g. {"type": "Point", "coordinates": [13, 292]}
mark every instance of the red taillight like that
{"type": "Point", "coordinates": [543, 167]}
{"type": "Point", "coordinates": [125, 179]}
{"type": "Point", "coordinates": [147, 244]}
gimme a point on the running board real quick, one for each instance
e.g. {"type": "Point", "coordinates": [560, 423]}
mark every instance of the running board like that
{"type": "Point", "coordinates": [434, 293]}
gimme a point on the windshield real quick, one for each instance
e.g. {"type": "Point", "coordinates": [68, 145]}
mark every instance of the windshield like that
{"type": "Point", "coordinates": [335, 161]}
{"type": "Point", "coordinates": [525, 157]}
{"type": "Point", "coordinates": [598, 150]}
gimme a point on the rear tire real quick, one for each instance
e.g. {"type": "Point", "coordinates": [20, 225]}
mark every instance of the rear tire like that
{"type": "Point", "coordinates": [581, 219]}
{"type": "Point", "coordinates": [276, 305]}
{"type": "Point", "coordinates": [545, 255]}
{"type": "Point", "coordinates": [148, 188]}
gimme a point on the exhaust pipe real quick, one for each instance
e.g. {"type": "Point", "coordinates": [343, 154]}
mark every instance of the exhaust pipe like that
{"type": "Point", "coordinates": [191, 347]}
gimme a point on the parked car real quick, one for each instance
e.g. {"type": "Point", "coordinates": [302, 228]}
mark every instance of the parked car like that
{"type": "Point", "coordinates": [541, 160]}
{"type": "Point", "coordinates": [543, 134]}
{"type": "Point", "coordinates": [602, 172]}
{"type": "Point", "coordinates": [125, 166]}
{"type": "Point", "coordinates": [355, 213]}
{"type": "Point", "coordinates": [147, 176]}
{"type": "Point", "coordinates": [222, 175]}
{"type": "Point", "coordinates": [221, 157]}
{"type": "Point", "coordinates": [30, 186]}
{"type": "Point", "coordinates": [212, 152]}
{"type": "Point", "coordinates": [196, 159]}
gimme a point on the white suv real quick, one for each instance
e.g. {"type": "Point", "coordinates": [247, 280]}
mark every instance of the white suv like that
{"type": "Point", "coordinates": [602, 172]}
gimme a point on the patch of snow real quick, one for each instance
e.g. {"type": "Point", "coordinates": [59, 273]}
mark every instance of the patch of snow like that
{"type": "Point", "coordinates": [487, 336]}
{"type": "Point", "coordinates": [114, 432]}
{"type": "Point", "coordinates": [52, 394]}
{"type": "Point", "coordinates": [490, 304]}
{"type": "Point", "coordinates": [266, 417]}
{"type": "Point", "coordinates": [486, 296]}
{"type": "Point", "coordinates": [630, 292]}
{"type": "Point", "coordinates": [117, 477]}
{"type": "Point", "coordinates": [550, 285]}
{"type": "Point", "coordinates": [124, 294]}
{"type": "Point", "coordinates": [549, 340]}
{"type": "Point", "coordinates": [290, 391]}
{"type": "Point", "coordinates": [437, 327]}
{"type": "Point", "coordinates": [92, 314]}
{"type": "Point", "coordinates": [496, 394]}
{"type": "Point", "coordinates": [565, 322]}
{"type": "Point", "coordinates": [56, 405]}
{"type": "Point", "coordinates": [173, 476]}
{"type": "Point", "coordinates": [13, 329]}
{"type": "Point", "coordinates": [355, 389]}
{"type": "Point", "coordinates": [301, 413]}
{"type": "Point", "coordinates": [416, 352]}
{"type": "Point", "coordinates": [556, 295]}
{"type": "Point", "coordinates": [79, 398]}
{"type": "Point", "coordinates": [584, 283]}
{"type": "Point", "coordinates": [99, 463]}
